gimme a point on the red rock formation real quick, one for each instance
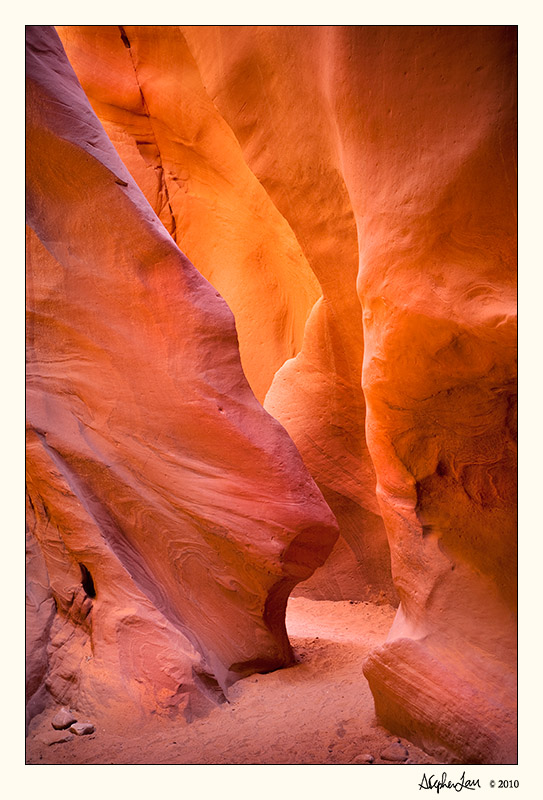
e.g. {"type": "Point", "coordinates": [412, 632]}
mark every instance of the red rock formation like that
{"type": "Point", "coordinates": [437, 233]}
{"type": "Point", "coordinates": [168, 507]}
{"type": "Point", "coordinates": [416, 145]}
{"type": "Point", "coordinates": [372, 166]}
{"type": "Point", "coordinates": [145, 87]}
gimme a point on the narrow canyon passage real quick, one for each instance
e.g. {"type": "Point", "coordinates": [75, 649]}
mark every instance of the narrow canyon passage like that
{"type": "Point", "coordinates": [271, 368]}
{"type": "Point", "coordinates": [319, 711]}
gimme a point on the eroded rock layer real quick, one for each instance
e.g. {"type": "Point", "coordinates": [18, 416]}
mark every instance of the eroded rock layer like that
{"type": "Point", "coordinates": [146, 90]}
{"type": "Point", "coordinates": [351, 193]}
{"type": "Point", "coordinates": [411, 144]}
{"type": "Point", "coordinates": [271, 246]}
{"type": "Point", "coordinates": [172, 514]}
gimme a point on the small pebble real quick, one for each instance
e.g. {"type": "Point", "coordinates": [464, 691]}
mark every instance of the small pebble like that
{"type": "Point", "coordinates": [63, 719]}
{"type": "Point", "coordinates": [82, 728]}
{"type": "Point", "coordinates": [363, 758]}
{"type": "Point", "coordinates": [395, 752]}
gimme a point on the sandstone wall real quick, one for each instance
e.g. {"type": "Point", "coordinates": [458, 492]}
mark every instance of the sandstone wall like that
{"type": "Point", "coordinates": [168, 506]}
{"type": "Point", "coordinates": [351, 194]}
{"type": "Point", "coordinates": [256, 198]}
{"type": "Point", "coordinates": [411, 148]}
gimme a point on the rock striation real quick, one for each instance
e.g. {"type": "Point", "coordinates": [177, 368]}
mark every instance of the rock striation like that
{"type": "Point", "coordinates": [405, 177]}
{"type": "Point", "coordinates": [242, 191]}
{"type": "Point", "coordinates": [437, 232]}
{"type": "Point", "coordinates": [169, 515]}
{"type": "Point", "coordinates": [145, 88]}
{"type": "Point", "coordinates": [350, 191]}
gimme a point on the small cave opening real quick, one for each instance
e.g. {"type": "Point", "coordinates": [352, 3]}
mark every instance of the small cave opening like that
{"type": "Point", "coordinates": [87, 582]}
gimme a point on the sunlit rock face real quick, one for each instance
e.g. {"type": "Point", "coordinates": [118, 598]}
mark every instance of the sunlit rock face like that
{"type": "Point", "coordinates": [410, 151]}
{"type": "Point", "coordinates": [437, 233]}
{"type": "Point", "coordinates": [169, 515]}
{"type": "Point", "coordinates": [350, 192]}
{"type": "Point", "coordinates": [145, 87]}
{"type": "Point", "coordinates": [255, 196]}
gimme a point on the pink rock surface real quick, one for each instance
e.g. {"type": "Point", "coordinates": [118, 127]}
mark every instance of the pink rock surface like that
{"type": "Point", "coordinates": [150, 463]}
{"type": "Point", "coordinates": [82, 728]}
{"type": "Point", "coordinates": [406, 178]}
{"type": "Point", "coordinates": [272, 87]}
{"type": "Point", "coordinates": [383, 165]}
{"type": "Point", "coordinates": [270, 246]}
{"type": "Point", "coordinates": [144, 86]}
{"type": "Point", "coordinates": [55, 737]}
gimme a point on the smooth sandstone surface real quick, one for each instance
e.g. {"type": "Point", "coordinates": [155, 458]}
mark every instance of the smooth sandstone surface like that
{"type": "Point", "coordinates": [242, 192]}
{"type": "Point", "coordinates": [351, 193]}
{"type": "Point", "coordinates": [144, 86]}
{"type": "Point", "coordinates": [424, 146]}
{"type": "Point", "coordinates": [173, 514]}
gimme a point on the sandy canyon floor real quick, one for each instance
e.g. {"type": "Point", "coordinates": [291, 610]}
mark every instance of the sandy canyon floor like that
{"type": "Point", "coordinates": [320, 711]}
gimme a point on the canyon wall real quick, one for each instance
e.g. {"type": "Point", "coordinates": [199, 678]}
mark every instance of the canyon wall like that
{"type": "Point", "coordinates": [350, 192]}
{"type": "Point", "coordinates": [413, 134]}
{"type": "Point", "coordinates": [169, 514]}
{"type": "Point", "coordinates": [284, 260]}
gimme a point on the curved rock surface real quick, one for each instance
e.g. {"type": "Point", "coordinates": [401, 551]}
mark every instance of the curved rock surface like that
{"type": "Point", "coordinates": [437, 278]}
{"type": "Point", "coordinates": [243, 194]}
{"type": "Point", "coordinates": [168, 506]}
{"type": "Point", "coordinates": [413, 149]}
{"type": "Point", "coordinates": [351, 192]}
{"type": "Point", "coordinates": [145, 88]}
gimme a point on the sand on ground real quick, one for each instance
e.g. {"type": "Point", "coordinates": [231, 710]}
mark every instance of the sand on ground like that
{"type": "Point", "coordinates": [319, 711]}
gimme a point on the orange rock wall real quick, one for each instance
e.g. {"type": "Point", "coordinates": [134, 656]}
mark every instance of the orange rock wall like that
{"type": "Point", "coordinates": [241, 192]}
{"type": "Point", "coordinates": [146, 90]}
{"type": "Point", "coordinates": [150, 462]}
{"type": "Point", "coordinates": [351, 193]}
{"type": "Point", "coordinates": [412, 146]}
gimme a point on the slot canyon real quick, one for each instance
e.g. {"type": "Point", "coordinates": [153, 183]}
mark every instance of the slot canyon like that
{"type": "Point", "coordinates": [271, 394]}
